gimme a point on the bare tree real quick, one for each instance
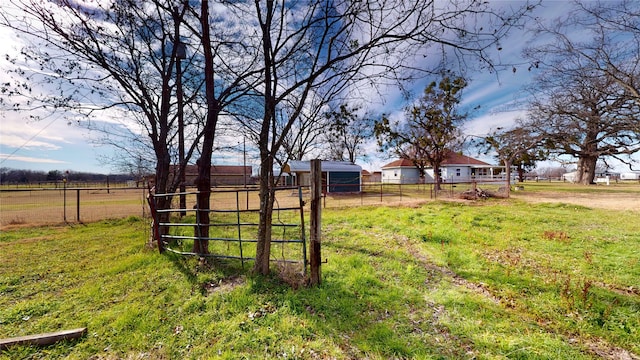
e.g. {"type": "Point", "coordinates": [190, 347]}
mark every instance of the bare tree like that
{"type": "Point", "coordinates": [306, 137]}
{"type": "Point", "coordinates": [324, 47]}
{"type": "Point", "coordinates": [587, 118]}
{"type": "Point", "coordinates": [232, 60]}
{"type": "Point", "coordinates": [99, 60]}
{"type": "Point", "coordinates": [120, 60]}
{"type": "Point", "coordinates": [587, 91]}
{"type": "Point", "coordinates": [615, 49]}
{"type": "Point", "coordinates": [431, 128]}
{"type": "Point", "coordinates": [588, 121]}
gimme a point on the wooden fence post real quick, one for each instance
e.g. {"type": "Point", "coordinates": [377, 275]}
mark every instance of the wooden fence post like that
{"type": "Point", "coordinates": [154, 216]}
{"type": "Point", "coordinates": [316, 221]}
{"type": "Point", "coordinates": [78, 205]}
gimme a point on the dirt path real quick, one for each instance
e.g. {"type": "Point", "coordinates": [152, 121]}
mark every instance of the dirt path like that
{"type": "Point", "coordinates": [611, 201]}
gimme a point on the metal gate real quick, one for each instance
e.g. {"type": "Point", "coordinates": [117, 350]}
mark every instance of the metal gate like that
{"type": "Point", "coordinates": [233, 225]}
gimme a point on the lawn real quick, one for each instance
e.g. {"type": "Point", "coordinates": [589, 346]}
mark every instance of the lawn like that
{"type": "Point", "coordinates": [495, 279]}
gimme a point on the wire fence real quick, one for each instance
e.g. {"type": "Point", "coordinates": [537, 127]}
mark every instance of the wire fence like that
{"type": "Point", "coordinates": [47, 206]}
{"type": "Point", "coordinates": [21, 206]}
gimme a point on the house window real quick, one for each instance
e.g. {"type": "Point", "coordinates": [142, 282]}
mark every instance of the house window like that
{"type": "Point", "coordinates": [458, 172]}
{"type": "Point", "coordinates": [395, 173]}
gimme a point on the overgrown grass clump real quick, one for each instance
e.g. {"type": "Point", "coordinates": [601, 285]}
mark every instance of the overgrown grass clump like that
{"type": "Point", "coordinates": [490, 280]}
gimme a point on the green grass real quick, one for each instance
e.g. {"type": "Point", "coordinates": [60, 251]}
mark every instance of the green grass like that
{"type": "Point", "coordinates": [489, 280]}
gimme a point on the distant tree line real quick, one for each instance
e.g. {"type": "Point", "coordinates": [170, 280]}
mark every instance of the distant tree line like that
{"type": "Point", "coordinates": [19, 176]}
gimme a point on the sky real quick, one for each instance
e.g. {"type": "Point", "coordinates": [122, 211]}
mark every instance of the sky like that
{"type": "Point", "coordinates": [52, 144]}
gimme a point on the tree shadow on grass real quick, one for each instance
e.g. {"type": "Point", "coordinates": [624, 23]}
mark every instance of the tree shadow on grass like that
{"type": "Point", "coordinates": [209, 273]}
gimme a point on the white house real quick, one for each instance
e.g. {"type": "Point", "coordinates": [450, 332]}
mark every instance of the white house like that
{"type": "Point", "coordinates": [461, 168]}
{"type": "Point", "coordinates": [455, 168]}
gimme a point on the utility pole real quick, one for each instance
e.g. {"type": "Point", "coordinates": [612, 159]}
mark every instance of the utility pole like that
{"type": "Point", "coordinates": [244, 161]}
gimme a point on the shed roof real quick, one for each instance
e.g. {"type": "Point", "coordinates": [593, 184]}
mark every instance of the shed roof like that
{"type": "Point", "coordinates": [331, 166]}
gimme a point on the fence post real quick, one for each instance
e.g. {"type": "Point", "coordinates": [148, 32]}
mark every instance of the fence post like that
{"type": "Point", "coordinates": [302, 233]}
{"type": "Point", "coordinates": [239, 226]}
{"type": "Point", "coordinates": [154, 216]}
{"type": "Point", "coordinates": [78, 205]}
{"type": "Point", "coordinates": [64, 201]}
{"type": "Point", "coordinates": [316, 220]}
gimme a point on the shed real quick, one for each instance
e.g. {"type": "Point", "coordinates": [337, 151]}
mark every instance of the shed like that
{"type": "Point", "coordinates": [371, 177]}
{"type": "Point", "coordinates": [337, 176]}
{"type": "Point", "coordinates": [401, 171]}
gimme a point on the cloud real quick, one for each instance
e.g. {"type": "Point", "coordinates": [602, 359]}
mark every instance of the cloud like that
{"type": "Point", "coordinates": [30, 159]}
{"type": "Point", "coordinates": [16, 141]}
{"type": "Point", "coordinates": [482, 125]}
{"type": "Point", "coordinates": [49, 134]}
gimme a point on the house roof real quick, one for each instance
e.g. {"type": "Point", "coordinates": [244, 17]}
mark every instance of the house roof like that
{"type": "Point", "coordinates": [398, 164]}
{"type": "Point", "coordinates": [332, 166]}
{"type": "Point", "coordinates": [452, 159]}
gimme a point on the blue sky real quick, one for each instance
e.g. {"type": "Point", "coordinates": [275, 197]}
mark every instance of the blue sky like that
{"type": "Point", "coordinates": [52, 144]}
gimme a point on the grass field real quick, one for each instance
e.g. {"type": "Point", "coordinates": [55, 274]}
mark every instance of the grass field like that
{"type": "Point", "coordinates": [494, 279]}
{"type": "Point", "coordinates": [38, 207]}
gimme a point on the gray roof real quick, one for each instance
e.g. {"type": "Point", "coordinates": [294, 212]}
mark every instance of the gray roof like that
{"type": "Point", "coordinates": [330, 166]}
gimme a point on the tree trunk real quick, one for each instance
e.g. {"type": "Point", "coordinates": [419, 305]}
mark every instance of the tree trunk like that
{"type": "Point", "coordinates": [263, 245]}
{"type": "Point", "coordinates": [507, 189]}
{"type": "Point", "coordinates": [209, 131]}
{"type": "Point", "coordinates": [436, 178]}
{"type": "Point", "coordinates": [586, 170]}
{"type": "Point", "coordinates": [161, 187]}
{"type": "Point", "coordinates": [203, 205]}
{"type": "Point", "coordinates": [267, 194]}
{"type": "Point", "coordinates": [520, 173]}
